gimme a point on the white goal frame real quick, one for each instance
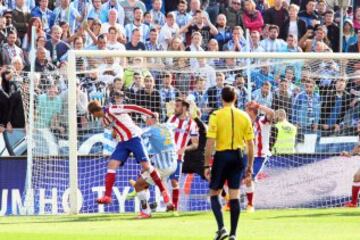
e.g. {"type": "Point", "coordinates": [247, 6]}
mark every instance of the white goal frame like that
{"type": "Point", "coordinates": [71, 73]}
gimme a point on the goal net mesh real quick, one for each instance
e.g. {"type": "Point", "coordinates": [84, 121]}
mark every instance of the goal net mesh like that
{"type": "Point", "coordinates": [320, 98]}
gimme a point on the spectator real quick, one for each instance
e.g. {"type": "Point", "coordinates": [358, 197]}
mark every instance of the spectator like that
{"type": "Point", "coordinates": [213, 46]}
{"type": "Point", "coordinates": [273, 43]}
{"type": "Point", "coordinates": [153, 43]}
{"type": "Point", "coordinates": [309, 16]}
{"type": "Point", "coordinates": [333, 32]}
{"type": "Point", "coordinates": [282, 98]}
{"type": "Point", "coordinates": [42, 63]}
{"type": "Point", "coordinates": [195, 46]}
{"type": "Point", "coordinates": [263, 95]}
{"type": "Point", "coordinates": [349, 36]}
{"type": "Point", "coordinates": [135, 86]}
{"type": "Point", "coordinates": [183, 75]}
{"type": "Point", "coordinates": [137, 67]}
{"type": "Point", "coordinates": [255, 42]}
{"type": "Point", "coordinates": [356, 19]}
{"type": "Point", "coordinates": [3, 32]}
{"type": "Point", "coordinates": [181, 15]}
{"type": "Point", "coordinates": [129, 9]}
{"type": "Point", "coordinates": [213, 94]}
{"type": "Point", "coordinates": [144, 29]}
{"type": "Point", "coordinates": [258, 77]}
{"type": "Point", "coordinates": [204, 69]}
{"type": "Point", "coordinates": [293, 24]}
{"type": "Point", "coordinates": [168, 31]}
{"type": "Point", "coordinates": [309, 41]}
{"type": "Point", "coordinates": [114, 5]}
{"type": "Point", "coordinates": [167, 92]}
{"type": "Point", "coordinates": [306, 109]}
{"type": "Point", "coordinates": [9, 50]}
{"type": "Point", "coordinates": [237, 43]}
{"type": "Point", "coordinates": [233, 14]}
{"type": "Point", "coordinates": [94, 87]}
{"type": "Point", "coordinates": [334, 106]}
{"type": "Point", "coordinates": [28, 4]}
{"type": "Point", "coordinates": [149, 97]}
{"type": "Point", "coordinates": [113, 15]}
{"type": "Point", "coordinates": [242, 92]}
{"type": "Point", "coordinates": [252, 18]}
{"type": "Point", "coordinates": [96, 9]}
{"type": "Point", "coordinates": [195, 6]}
{"type": "Point", "coordinates": [116, 87]}
{"type": "Point", "coordinates": [321, 9]}
{"type": "Point", "coordinates": [198, 94]}
{"type": "Point", "coordinates": [66, 35]}
{"type": "Point", "coordinates": [135, 43]}
{"type": "Point", "coordinates": [355, 48]}
{"type": "Point", "coordinates": [92, 32]}
{"type": "Point", "coordinates": [21, 18]}
{"type": "Point", "coordinates": [40, 42]}
{"type": "Point", "coordinates": [36, 22]}
{"type": "Point", "coordinates": [9, 22]}
{"type": "Point", "coordinates": [292, 44]}
{"type": "Point", "coordinates": [45, 14]}
{"type": "Point", "coordinates": [199, 23]}
{"type": "Point", "coordinates": [66, 13]}
{"type": "Point", "coordinates": [148, 20]}
{"type": "Point", "coordinates": [113, 43]}
{"type": "Point", "coordinates": [276, 15]}
{"type": "Point", "coordinates": [224, 31]}
{"type": "Point", "coordinates": [157, 16]}
{"type": "Point", "coordinates": [56, 47]}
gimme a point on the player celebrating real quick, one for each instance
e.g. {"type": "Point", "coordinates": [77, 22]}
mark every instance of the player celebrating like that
{"type": "Point", "coordinates": [262, 129]}
{"type": "Point", "coordinates": [186, 130]}
{"type": "Point", "coordinates": [128, 134]}
{"type": "Point", "coordinates": [162, 148]}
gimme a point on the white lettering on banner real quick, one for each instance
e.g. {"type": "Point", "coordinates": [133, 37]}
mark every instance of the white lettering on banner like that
{"type": "Point", "coordinates": [4, 198]}
{"type": "Point", "coordinates": [17, 206]}
{"type": "Point", "coordinates": [99, 193]}
{"type": "Point", "coordinates": [308, 184]}
{"type": "Point", "coordinates": [66, 200]}
{"type": "Point", "coordinates": [121, 197]}
{"type": "Point", "coordinates": [50, 201]}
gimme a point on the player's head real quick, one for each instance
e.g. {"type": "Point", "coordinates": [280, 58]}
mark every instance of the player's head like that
{"type": "Point", "coordinates": [181, 107]}
{"type": "Point", "coordinates": [95, 109]}
{"type": "Point", "coordinates": [252, 110]}
{"type": "Point", "coordinates": [228, 94]}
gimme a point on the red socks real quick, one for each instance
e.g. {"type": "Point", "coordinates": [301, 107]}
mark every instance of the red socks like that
{"type": "Point", "coordinates": [109, 183]}
{"type": "Point", "coordinates": [175, 197]}
{"type": "Point", "coordinates": [156, 178]}
{"type": "Point", "coordinates": [355, 194]}
{"type": "Point", "coordinates": [250, 197]}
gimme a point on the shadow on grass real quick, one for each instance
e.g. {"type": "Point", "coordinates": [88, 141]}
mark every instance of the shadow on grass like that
{"type": "Point", "coordinates": [95, 218]}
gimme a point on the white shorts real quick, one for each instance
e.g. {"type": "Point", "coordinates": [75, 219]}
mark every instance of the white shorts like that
{"type": "Point", "coordinates": [164, 174]}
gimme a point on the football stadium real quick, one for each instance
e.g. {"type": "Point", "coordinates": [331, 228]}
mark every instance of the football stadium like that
{"type": "Point", "coordinates": [179, 119]}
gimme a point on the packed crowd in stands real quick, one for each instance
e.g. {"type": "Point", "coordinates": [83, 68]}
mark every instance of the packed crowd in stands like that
{"type": "Point", "coordinates": [326, 104]}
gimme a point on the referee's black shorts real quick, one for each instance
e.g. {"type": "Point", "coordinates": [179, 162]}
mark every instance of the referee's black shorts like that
{"type": "Point", "coordinates": [228, 166]}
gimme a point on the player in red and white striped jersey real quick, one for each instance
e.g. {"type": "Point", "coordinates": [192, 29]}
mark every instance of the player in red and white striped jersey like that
{"type": "Point", "coordinates": [262, 130]}
{"type": "Point", "coordinates": [185, 130]}
{"type": "Point", "coordinates": [128, 135]}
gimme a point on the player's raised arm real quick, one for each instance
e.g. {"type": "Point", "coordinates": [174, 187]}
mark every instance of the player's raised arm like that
{"type": "Point", "coordinates": [138, 109]}
{"type": "Point", "coordinates": [270, 113]}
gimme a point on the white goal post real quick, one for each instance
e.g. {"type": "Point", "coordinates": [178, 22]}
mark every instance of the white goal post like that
{"type": "Point", "coordinates": [71, 73]}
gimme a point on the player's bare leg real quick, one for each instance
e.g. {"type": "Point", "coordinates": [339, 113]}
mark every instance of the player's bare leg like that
{"type": "Point", "coordinates": [216, 209]}
{"type": "Point", "coordinates": [250, 187]}
{"type": "Point", "coordinates": [355, 191]}
{"type": "Point", "coordinates": [146, 166]}
{"type": "Point", "coordinates": [175, 193]}
{"type": "Point", "coordinates": [110, 177]}
{"type": "Point", "coordinates": [142, 192]}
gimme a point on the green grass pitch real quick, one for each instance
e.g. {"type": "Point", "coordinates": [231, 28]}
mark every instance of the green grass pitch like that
{"type": "Point", "coordinates": [302, 224]}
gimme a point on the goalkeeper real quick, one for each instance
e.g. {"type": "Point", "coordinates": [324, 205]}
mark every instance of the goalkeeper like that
{"type": "Point", "coordinates": [161, 146]}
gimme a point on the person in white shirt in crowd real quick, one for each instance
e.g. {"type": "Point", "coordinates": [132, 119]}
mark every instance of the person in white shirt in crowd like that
{"type": "Point", "coordinates": [113, 43]}
{"type": "Point", "coordinates": [207, 71]}
{"type": "Point", "coordinates": [273, 43]}
{"type": "Point", "coordinates": [137, 24]}
{"type": "Point", "coordinates": [168, 31]}
{"type": "Point", "coordinates": [263, 95]}
{"type": "Point", "coordinates": [195, 46]}
{"type": "Point", "coordinates": [112, 4]}
{"type": "Point", "coordinates": [113, 16]}
{"type": "Point", "coordinates": [157, 16]}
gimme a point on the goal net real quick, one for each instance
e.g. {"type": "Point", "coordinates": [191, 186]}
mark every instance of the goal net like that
{"type": "Point", "coordinates": [319, 95]}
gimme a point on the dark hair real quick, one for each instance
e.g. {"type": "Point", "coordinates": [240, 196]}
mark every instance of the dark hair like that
{"type": "Point", "coordinates": [228, 94]}
{"type": "Point", "coordinates": [146, 13]}
{"type": "Point", "coordinates": [183, 102]}
{"type": "Point", "coordinates": [271, 27]}
{"type": "Point", "coordinates": [154, 30]}
{"type": "Point", "coordinates": [136, 8]}
{"type": "Point", "coordinates": [182, 2]}
{"type": "Point", "coordinates": [112, 28]}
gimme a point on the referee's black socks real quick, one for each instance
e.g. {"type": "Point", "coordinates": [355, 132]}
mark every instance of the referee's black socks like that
{"type": "Point", "coordinates": [234, 215]}
{"type": "Point", "coordinates": [216, 208]}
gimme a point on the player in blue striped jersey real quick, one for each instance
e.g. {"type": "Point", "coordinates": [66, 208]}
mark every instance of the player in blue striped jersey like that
{"type": "Point", "coordinates": [159, 139]}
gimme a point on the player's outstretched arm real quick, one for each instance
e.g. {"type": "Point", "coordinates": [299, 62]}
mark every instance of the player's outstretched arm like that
{"type": "Point", "coordinates": [139, 110]}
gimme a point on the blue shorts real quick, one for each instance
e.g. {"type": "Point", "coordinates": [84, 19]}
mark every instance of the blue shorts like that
{"type": "Point", "coordinates": [228, 166]}
{"type": "Point", "coordinates": [135, 146]}
{"type": "Point", "coordinates": [176, 175]}
{"type": "Point", "coordinates": [259, 163]}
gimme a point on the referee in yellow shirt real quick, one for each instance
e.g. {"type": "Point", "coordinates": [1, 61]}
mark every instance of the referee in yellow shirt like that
{"type": "Point", "coordinates": [230, 131]}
